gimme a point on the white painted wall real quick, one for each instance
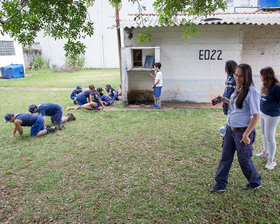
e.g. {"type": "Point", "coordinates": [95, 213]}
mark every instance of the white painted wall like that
{"type": "Point", "coordinates": [12, 59]}
{"type": "Point", "coordinates": [186, 77]}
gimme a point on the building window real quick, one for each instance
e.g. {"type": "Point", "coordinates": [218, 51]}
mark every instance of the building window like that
{"type": "Point", "coordinates": [137, 58]}
{"type": "Point", "coordinates": [7, 48]}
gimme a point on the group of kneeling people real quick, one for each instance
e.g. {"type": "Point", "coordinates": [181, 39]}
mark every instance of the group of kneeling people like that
{"type": "Point", "coordinates": [93, 98]}
{"type": "Point", "coordinates": [244, 106]}
{"type": "Point", "coordinates": [89, 99]}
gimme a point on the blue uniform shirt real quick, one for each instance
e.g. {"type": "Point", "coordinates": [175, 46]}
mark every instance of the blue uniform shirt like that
{"type": "Point", "coordinates": [230, 83]}
{"type": "Point", "coordinates": [111, 91]}
{"type": "Point", "coordinates": [27, 118]}
{"type": "Point", "coordinates": [270, 103]}
{"type": "Point", "coordinates": [95, 97]}
{"type": "Point", "coordinates": [74, 94]}
{"type": "Point", "coordinates": [239, 118]}
{"type": "Point", "coordinates": [49, 109]}
{"type": "Point", "coordinates": [85, 93]}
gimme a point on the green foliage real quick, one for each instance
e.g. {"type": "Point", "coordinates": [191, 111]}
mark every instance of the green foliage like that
{"type": "Point", "coordinates": [77, 62]}
{"type": "Point", "coordinates": [39, 62]}
{"type": "Point", "coordinates": [61, 19]}
{"type": "Point", "coordinates": [68, 19]}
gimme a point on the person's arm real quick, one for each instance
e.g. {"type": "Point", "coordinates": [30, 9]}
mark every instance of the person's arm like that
{"type": "Point", "coordinates": [17, 128]}
{"type": "Point", "coordinates": [90, 98]}
{"type": "Point", "coordinates": [152, 76]}
{"type": "Point", "coordinates": [44, 120]}
{"type": "Point", "coordinates": [100, 101]}
{"type": "Point", "coordinates": [156, 82]}
{"type": "Point", "coordinates": [245, 138]}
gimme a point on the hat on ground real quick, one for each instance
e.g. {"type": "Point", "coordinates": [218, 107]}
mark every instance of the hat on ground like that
{"type": "Point", "coordinates": [8, 116]}
{"type": "Point", "coordinates": [31, 108]}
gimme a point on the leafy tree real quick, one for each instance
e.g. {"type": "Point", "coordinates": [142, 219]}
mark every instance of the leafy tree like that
{"type": "Point", "coordinates": [68, 19]}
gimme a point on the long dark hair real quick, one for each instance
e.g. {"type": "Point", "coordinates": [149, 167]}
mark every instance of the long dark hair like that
{"type": "Point", "coordinates": [230, 67]}
{"type": "Point", "coordinates": [269, 79]}
{"type": "Point", "coordinates": [248, 81]}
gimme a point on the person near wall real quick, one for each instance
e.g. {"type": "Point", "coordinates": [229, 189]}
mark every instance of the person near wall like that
{"type": "Point", "coordinates": [230, 68]}
{"type": "Point", "coordinates": [157, 85]}
{"type": "Point", "coordinates": [244, 113]}
{"type": "Point", "coordinates": [270, 114]}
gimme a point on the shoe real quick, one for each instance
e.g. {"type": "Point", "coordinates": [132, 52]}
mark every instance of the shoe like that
{"type": "Point", "coordinates": [270, 165]}
{"type": "Point", "coordinates": [262, 155]}
{"type": "Point", "coordinates": [68, 108]}
{"type": "Point", "coordinates": [155, 107]}
{"type": "Point", "coordinates": [217, 190]}
{"type": "Point", "coordinates": [112, 102]}
{"type": "Point", "coordinates": [50, 129]}
{"type": "Point", "coordinates": [71, 117]}
{"type": "Point", "coordinates": [60, 127]}
{"type": "Point", "coordinates": [248, 186]}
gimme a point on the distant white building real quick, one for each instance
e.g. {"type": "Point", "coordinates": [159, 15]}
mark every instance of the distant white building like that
{"type": "Point", "coordinates": [10, 52]}
{"type": "Point", "coordinates": [102, 48]}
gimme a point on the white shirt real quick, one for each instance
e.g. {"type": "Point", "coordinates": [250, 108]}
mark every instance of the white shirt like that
{"type": "Point", "coordinates": [158, 77]}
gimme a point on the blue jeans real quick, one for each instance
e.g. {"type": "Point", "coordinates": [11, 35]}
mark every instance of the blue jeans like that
{"type": "Point", "coordinates": [244, 153]}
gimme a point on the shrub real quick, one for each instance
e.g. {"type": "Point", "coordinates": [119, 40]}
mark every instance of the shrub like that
{"type": "Point", "coordinates": [77, 62]}
{"type": "Point", "coordinates": [39, 62]}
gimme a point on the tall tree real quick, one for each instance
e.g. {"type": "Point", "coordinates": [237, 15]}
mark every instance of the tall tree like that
{"type": "Point", "coordinates": [68, 19]}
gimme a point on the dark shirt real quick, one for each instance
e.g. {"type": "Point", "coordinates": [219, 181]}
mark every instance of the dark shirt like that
{"type": "Point", "coordinates": [230, 83]}
{"type": "Point", "coordinates": [270, 103]}
{"type": "Point", "coordinates": [95, 97]}
{"type": "Point", "coordinates": [74, 94]}
{"type": "Point", "coordinates": [48, 109]}
{"type": "Point", "coordinates": [85, 93]}
{"type": "Point", "coordinates": [27, 118]}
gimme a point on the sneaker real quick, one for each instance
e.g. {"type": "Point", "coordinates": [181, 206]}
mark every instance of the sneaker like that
{"type": "Point", "coordinates": [71, 117]}
{"type": "Point", "coordinates": [112, 102]}
{"type": "Point", "coordinates": [50, 129]}
{"type": "Point", "coordinates": [248, 186]}
{"type": "Point", "coordinates": [155, 107]}
{"type": "Point", "coordinates": [60, 127]}
{"type": "Point", "coordinates": [68, 108]}
{"type": "Point", "coordinates": [217, 190]}
{"type": "Point", "coordinates": [262, 155]}
{"type": "Point", "coordinates": [270, 165]}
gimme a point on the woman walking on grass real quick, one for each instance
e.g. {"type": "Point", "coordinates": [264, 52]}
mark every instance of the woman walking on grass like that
{"type": "Point", "coordinates": [270, 114]}
{"type": "Point", "coordinates": [240, 131]}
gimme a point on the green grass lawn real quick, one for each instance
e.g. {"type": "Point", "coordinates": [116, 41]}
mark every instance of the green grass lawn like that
{"type": "Point", "coordinates": [48, 78]}
{"type": "Point", "coordinates": [128, 166]}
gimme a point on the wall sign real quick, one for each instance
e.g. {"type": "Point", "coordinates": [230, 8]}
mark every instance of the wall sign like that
{"type": "Point", "coordinates": [210, 55]}
{"type": "Point", "coordinates": [7, 48]}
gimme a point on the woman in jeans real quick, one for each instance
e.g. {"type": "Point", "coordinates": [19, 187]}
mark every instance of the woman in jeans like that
{"type": "Point", "coordinates": [240, 131]}
{"type": "Point", "coordinates": [270, 114]}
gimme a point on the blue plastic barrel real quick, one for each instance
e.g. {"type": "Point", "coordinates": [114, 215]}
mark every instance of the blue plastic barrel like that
{"type": "Point", "coordinates": [12, 71]}
{"type": "Point", "coordinates": [268, 3]}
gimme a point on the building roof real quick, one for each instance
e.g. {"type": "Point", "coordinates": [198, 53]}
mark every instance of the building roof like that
{"type": "Point", "coordinates": [248, 18]}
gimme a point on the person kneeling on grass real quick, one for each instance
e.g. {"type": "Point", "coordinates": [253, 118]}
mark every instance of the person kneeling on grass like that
{"type": "Point", "coordinates": [105, 99]}
{"type": "Point", "coordinates": [35, 121]}
{"type": "Point", "coordinates": [54, 111]}
{"type": "Point", "coordinates": [112, 93]}
{"type": "Point", "coordinates": [75, 93]}
{"type": "Point", "coordinates": [93, 102]}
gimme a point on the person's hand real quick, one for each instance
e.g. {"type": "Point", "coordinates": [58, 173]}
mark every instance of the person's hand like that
{"type": "Point", "coordinates": [224, 99]}
{"type": "Point", "coordinates": [246, 140]}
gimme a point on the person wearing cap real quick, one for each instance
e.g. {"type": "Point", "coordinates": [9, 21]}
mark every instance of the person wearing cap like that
{"type": "Point", "coordinates": [105, 99]}
{"type": "Point", "coordinates": [75, 93]}
{"type": "Point", "coordinates": [112, 93]}
{"type": "Point", "coordinates": [88, 99]}
{"type": "Point", "coordinates": [35, 121]}
{"type": "Point", "coordinates": [54, 111]}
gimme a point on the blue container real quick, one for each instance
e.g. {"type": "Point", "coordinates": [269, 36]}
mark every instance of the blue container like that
{"type": "Point", "coordinates": [268, 3]}
{"type": "Point", "coordinates": [13, 71]}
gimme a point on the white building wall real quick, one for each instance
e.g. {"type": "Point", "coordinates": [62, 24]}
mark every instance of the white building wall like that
{"type": "Point", "coordinates": [12, 59]}
{"type": "Point", "coordinates": [261, 47]}
{"type": "Point", "coordinates": [189, 74]}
